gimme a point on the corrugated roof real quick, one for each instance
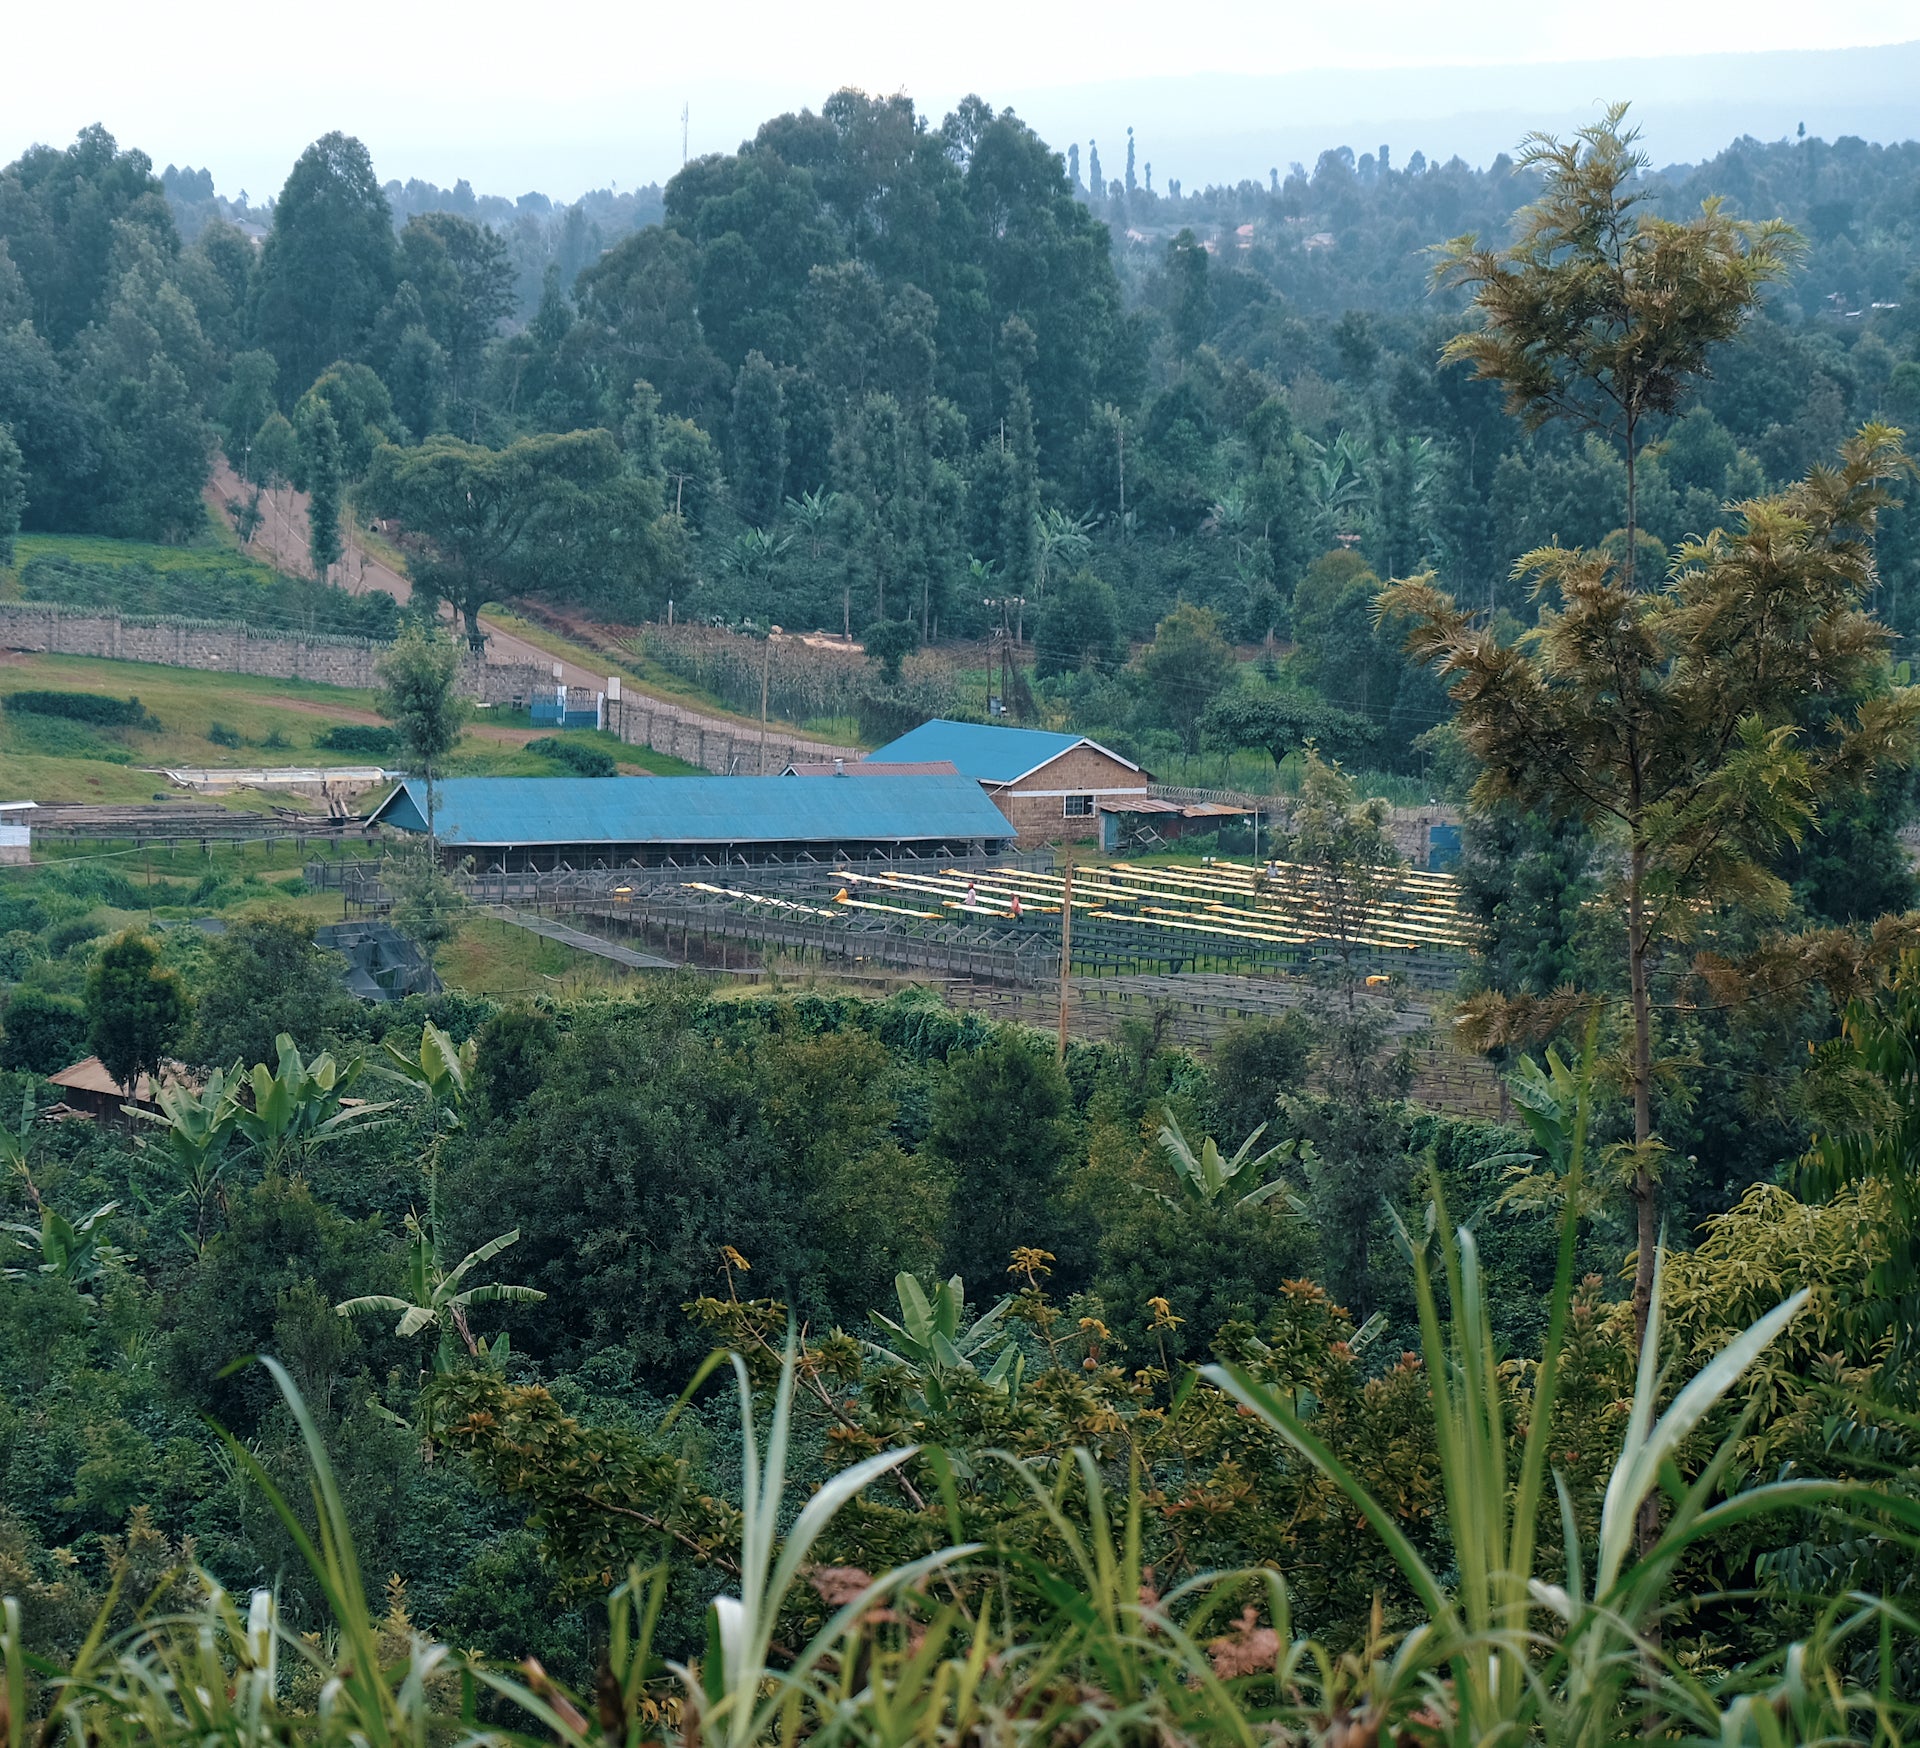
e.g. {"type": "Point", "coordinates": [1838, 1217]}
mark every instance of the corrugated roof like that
{"type": "Point", "coordinates": [90, 1075]}
{"type": "Point", "coordinates": [696, 810]}
{"type": "Point", "coordinates": [987, 753]}
{"type": "Point", "coordinates": [869, 768]}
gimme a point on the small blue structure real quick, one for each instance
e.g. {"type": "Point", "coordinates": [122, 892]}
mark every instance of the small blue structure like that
{"type": "Point", "coordinates": [1443, 848]}
{"type": "Point", "coordinates": [558, 709]}
{"type": "Point", "coordinates": [513, 824]}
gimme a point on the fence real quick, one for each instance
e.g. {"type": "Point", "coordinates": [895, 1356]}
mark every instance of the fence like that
{"type": "Point", "coordinates": [232, 647]}
{"type": "Point", "coordinates": [726, 749]}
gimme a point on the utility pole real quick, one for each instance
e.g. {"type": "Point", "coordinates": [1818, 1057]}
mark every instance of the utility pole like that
{"type": "Point", "coordinates": [1066, 945]}
{"type": "Point", "coordinates": [683, 136]}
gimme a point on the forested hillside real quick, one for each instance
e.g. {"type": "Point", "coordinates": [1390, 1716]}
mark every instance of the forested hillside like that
{"type": "Point", "coordinates": [872, 370]}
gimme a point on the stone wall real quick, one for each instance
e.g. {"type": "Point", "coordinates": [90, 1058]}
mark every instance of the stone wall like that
{"type": "Point", "coordinates": [232, 647]}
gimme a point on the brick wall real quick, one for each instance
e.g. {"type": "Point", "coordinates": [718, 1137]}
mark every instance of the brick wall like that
{"type": "Point", "coordinates": [1036, 805]}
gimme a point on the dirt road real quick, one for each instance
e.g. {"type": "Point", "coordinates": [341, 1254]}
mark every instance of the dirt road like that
{"type": "Point", "coordinates": [281, 540]}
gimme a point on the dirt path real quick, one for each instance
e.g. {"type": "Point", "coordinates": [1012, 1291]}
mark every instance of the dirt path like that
{"type": "Point", "coordinates": [281, 540]}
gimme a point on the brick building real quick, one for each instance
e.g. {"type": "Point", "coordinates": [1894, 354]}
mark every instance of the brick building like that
{"type": "Point", "coordinates": [1050, 786]}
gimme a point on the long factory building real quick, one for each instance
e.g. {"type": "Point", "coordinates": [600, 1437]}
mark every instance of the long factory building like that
{"type": "Point", "coordinates": [521, 824]}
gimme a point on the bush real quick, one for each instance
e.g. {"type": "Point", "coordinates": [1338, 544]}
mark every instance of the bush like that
{"type": "Point", "coordinates": [358, 737]}
{"type": "Point", "coordinates": [42, 1033]}
{"type": "Point", "coordinates": [94, 708]}
{"type": "Point", "coordinates": [223, 736]}
{"type": "Point", "coordinates": [582, 760]}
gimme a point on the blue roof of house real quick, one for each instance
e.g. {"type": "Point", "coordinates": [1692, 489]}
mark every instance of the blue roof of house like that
{"type": "Point", "coordinates": [696, 810]}
{"type": "Point", "coordinates": [985, 753]}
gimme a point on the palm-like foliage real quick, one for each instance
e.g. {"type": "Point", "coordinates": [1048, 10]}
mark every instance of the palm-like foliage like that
{"type": "Point", "coordinates": [930, 1343]}
{"type": "Point", "coordinates": [812, 514]}
{"type": "Point", "coordinates": [301, 1104]}
{"type": "Point", "coordinates": [74, 1251]}
{"type": "Point", "coordinates": [438, 1298]}
{"type": "Point", "coordinates": [441, 1069]}
{"type": "Point", "coordinates": [196, 1127]}
{"type": "Point", "coordinates": [1064, 543]}
{"type": "Point", "coordinates": [754, 555]}
{"type": "Point", "coordinates": [1206, 1178]}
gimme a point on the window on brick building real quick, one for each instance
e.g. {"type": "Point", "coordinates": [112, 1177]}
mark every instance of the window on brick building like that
{"type": "Point", "coordinates": [1079, 807]}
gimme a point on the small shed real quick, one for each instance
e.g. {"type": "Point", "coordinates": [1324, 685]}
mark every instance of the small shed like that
{"type": "Point", "coordinates": [88, 1090]}
{"type": "Point", "coordinates": [16, 834]}
{"type": "Point", "coordinates": [1050, 786]}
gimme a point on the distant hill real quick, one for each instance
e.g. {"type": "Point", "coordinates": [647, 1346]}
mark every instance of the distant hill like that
{"type": "Point", "coordinates": [1220, 127]}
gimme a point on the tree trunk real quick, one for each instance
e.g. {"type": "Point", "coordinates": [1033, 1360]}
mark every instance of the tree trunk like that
{"type": "Point", "coordinates": [1646, 1214]}
{"type": "Point", "coordinates": [1633, 505]}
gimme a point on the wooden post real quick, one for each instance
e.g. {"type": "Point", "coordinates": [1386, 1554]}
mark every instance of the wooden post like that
{"type": "Point", "coordinates": [1066, 947]}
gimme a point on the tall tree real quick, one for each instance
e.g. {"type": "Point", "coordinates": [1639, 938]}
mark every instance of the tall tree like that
{"type": "Point", "coordinates": [419, 676]}
{"type": "Point", "coordinates": [13, 492]}
{"type": "Point", "coordinates": [547, 513]}
{"type": "Point", "coordinates": [464, 283]}
{"type": "Point", "coordinates": [1669, 722]}
{"type": "Point", "coordinates": [1000, 1131]}
{"type": "Point", "coordinates": [327, 266]}
{"type": "Point", "coordinates": [135, 1009]}
{"type": "Point", "coordinates": [320, 475]}
{"type": "Point", "coordinates": [66, 215]}
{"type": "Point", "coordinates": [1600, 313]}
{"type": "Point", "coordinates": [759, 442]}
{"type": "Point", "coordinates": [1185, 668]}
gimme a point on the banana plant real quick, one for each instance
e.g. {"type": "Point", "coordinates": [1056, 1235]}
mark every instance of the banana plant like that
{"type": "Point", "coordinates": [196, 1127]}
{"type": "Point", "coordinates": [301, 1104]}
{"type": "Point", "coordinates": [930, 1344]}
{"type": "Point", "coordinates": [74, 1251]}
{"type": "Point", "coordinates": [13, 1148]}
{"type": "Point", "coordinates": [438, 1299]}
{"type": "Point", "coordinates": [1206, 1179]}
{"type": "Point", "coordinates": [441, 1068]}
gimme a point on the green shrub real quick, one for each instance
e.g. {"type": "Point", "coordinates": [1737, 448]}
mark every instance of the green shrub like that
{"type": "Point", "coordinates": [55, 737]}
{"type": "Point", "coordinates": [358, 737]}
{"type": "Point", "coordinates": [223, 736]}
{"type": "Point", "coordinates": [89, 707]}
{"type": "Point", "coordinates": [580, 759]}
{"type": "Point", "coordinates": [41, 1032]}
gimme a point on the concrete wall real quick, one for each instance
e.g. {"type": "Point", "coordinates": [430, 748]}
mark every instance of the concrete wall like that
{"type": "Point", "coordinates": [1037, 803]}
{"type": "Point", "coordinates": [232, 648]}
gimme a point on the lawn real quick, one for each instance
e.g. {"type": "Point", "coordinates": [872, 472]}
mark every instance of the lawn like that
{"type": "Point", "coordinates": [276, 722]}
{"type": "Point", "coordinates": [489, 957]}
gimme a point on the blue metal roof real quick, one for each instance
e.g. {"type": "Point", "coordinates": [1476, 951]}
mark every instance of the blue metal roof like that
{"type": "Point", "coordinates": [985, 753]}
{"type": "Point", "coordinates": [697, 810]}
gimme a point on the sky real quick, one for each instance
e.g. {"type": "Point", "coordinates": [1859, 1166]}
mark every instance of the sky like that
{"type": "Point", "coordinates": [571, 94]}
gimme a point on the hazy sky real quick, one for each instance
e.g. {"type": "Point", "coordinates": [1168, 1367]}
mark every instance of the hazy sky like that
{"type": "Point", "coordinates": [573, 93]}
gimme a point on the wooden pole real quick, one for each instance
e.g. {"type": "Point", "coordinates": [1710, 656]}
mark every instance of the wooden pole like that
{"type": "Point", "coordinates": [766, 668]}
{"type": "Point", "coordinates": [1066, 946]}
